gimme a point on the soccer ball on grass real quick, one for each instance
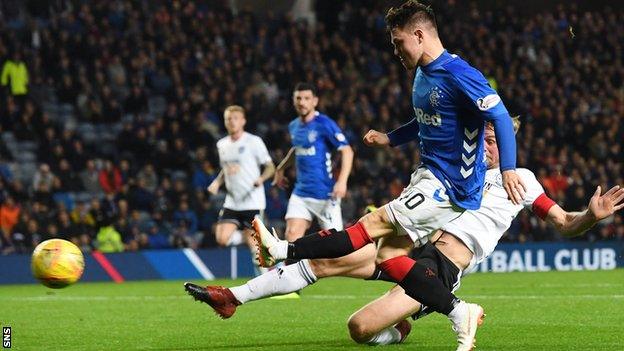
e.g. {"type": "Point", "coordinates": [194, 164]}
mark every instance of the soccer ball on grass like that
{"type": "Point", "coordinates": [57, 263]}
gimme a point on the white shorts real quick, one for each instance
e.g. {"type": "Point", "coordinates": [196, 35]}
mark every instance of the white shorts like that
{"type": "Point", "coordinates": [422, 208]}
{"type": "Point", "coordinates": [327, 212]}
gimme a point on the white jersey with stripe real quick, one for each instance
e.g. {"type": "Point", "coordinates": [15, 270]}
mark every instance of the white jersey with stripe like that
{"type": "Point", "coordinates": [481, 229]}
{"type": "Point", "coordinates": [241, 162]}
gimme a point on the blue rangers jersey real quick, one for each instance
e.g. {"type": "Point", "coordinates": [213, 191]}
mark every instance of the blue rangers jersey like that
{"type": "Point", "coordinates": [313, 142]}
{"type": "Point", "coordinates": [452, 100]}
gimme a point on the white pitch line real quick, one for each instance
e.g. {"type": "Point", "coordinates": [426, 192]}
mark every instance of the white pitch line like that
{"type": "Point", "coordinates": [48, 298]}
{"type": "Point", "coordinates": [498, 297]}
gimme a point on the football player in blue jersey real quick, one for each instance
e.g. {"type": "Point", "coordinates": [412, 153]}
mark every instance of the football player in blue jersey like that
{"type": "Point", "coordinates": [316, 194]}
{"type": "Point", "coordinates": [452, 101]}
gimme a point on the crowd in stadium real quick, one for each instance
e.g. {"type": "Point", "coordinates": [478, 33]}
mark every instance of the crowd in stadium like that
{"type": "Point", "coordinates": [111, 110]}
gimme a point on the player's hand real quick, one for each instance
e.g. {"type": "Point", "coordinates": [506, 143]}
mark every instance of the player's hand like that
{"type": "Point", "coordinates": [514, 186]}
{"type": "Point", "coordinates": [603, 206]}
{"type": "Point", "coordinates": [258, 182]}
{"type": "Point", "coordinates": [340, 190]}
{"type": "Point", "coordinates": [280, 180]}
{"type": "Point", "coordinates": [375, 138]}
{"type": "Point", "coordinates": [213, 188]}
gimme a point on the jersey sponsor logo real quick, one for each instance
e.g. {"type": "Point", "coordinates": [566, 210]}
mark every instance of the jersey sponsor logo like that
{"type": "Point", "coordinates": [486, 103]}
{"type": "Point", "coordinates": [305, 151]}
{"type": "Point", "coordinates": [312, 135]}
{"type": "Point", "coordinates": [427, 119]}
{"type": "Point", "coordinates": [434, 96]}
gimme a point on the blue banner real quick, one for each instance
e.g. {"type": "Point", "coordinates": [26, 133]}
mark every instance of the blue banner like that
{"type": "Point", "coordinates": [233, 262]}
{"type": "Point", "coordinates": [544, 257]}
{"type": "Point", "coordinates": [208, 264]}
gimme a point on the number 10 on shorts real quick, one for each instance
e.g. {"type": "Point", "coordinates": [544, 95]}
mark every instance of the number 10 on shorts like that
{"type": "Point", "coordinates": [412, 200]}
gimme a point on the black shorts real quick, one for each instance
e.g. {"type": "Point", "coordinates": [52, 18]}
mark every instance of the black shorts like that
{"type": "Point", "coordinates": [447, 271]}
{"type": "Point", "coordinates": [241, 218]}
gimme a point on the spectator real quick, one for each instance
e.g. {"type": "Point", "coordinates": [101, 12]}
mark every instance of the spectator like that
{"type": "Point", "coordinates": [68, 179]}
{"type": "Point", "coordinates": [81, 216]}
{"type": "Point", "coordinates": [148, 177]}
{"type": "Point", "coordinates": [51, 231]}
{"type": "Point", "coordinates": [185, 218]}
{"type": "Point", "coordinates": [9, 215]}
{"type": "Point", "coordinates": [15, 73]}
{"type": "Point", "coordinates": [109, 240]}
{"type": "Point", "coordinates": [204, 175]}
{"type": "Point", "coordinates": [157, 239]}
{"type": "Point", "coordinates": [110, 178]}
{"type": "Point", "coordinates": [43, 179]}
{"type": "Point", "coordinates": [90, 178]}
{"type": "Point", "coordinates": [67, 229]}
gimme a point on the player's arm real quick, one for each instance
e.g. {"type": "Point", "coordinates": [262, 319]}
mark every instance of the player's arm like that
{"type": "Point", "coordinates": [264, 160]}
{"type": "Point", "coordinates": [486, 103]}
{"type": "Point", "coordinates": [506, 140]}
{"type": "Point", "coordinates": [268, 169]}
{"type": "Point", "coordinates": [338, 141]}
{"type": "Point", "coordinates": [346, 163]}
{"type": "Point", "coordinates": [600, 207]}
{"type": "Point", "coordinates": [402, 135]}
{"type": "Point", "coordinates": [279, 179]}
{"type": "Point", "coordinates": [213, 188]}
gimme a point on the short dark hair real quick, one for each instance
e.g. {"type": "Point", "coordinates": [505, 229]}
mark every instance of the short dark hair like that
{"type": "Point", "coordinates": [301, 86]}
{"type": "Point", "coordinates": [410, 12]}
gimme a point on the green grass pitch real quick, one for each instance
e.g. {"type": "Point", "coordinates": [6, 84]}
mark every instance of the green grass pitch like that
{"type": "Point", "coordinates": [525, 311]}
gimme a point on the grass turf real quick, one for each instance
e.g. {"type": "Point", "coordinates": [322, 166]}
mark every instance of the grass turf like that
{"type": "Point", "coordinates": [525, 311]}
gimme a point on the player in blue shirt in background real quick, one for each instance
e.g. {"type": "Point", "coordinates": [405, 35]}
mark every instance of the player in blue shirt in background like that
{"type": "Point", "coordinates": [452, 101]}
{"type": "Point", "coordinates": [316, 193]}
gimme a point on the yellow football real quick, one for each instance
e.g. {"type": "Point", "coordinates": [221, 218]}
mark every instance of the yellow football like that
{"type": "Point", "coordinates": [57, 263]}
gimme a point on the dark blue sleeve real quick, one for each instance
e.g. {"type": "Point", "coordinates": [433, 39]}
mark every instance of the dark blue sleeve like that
{"type": "Point", "coordinates": [404, 134]}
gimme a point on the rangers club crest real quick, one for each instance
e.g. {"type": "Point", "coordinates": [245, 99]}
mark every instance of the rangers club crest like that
{"type": "Point", "coordinates": [312, 136]}
{"type": "Point", "coordinates": [434, 96]}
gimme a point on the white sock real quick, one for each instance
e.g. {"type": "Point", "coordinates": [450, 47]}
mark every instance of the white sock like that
{"type": "Point", "coordinates": [388, 336]}
{"type": "Point", "coordinates": [280, 281]}
{"type": "Point", "coordinates": [458, 313]}
{"type": "Point", "coordinates": [279, 251]}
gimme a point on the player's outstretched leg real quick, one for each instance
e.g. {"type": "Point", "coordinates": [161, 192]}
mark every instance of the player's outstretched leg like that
{"type": "Point", "coordinates": [219, 298]}
{"type": "Point", "coordinates": [324, 244]}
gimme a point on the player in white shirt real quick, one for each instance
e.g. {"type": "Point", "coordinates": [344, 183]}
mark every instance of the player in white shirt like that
{"type": "Point", "coordinates": [242, 156]}
{"type": "Point", "coordinates": [472, 237]}
{"type": "Point", "coordinates": [383, 320]}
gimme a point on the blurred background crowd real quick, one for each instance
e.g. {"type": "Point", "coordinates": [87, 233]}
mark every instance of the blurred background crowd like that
{"type": "Point", "coordinates": [110, 110]}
